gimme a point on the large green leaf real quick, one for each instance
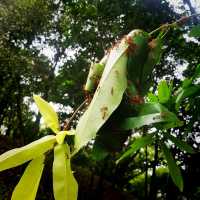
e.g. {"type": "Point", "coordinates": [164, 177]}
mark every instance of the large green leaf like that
{"type": "Point", "coordinates": [154, 56]}
{"type": "Point", "coordinates": [29, 182]}
{"type": "Point", "coordinates": [151, 113]}
{"type": "Point", "coordinates": [174, 170]}
{"type": "Point", "coordinates": [153, 107]}
{"type": "Point", "coordinates": [106, 98]}
{"type": "Point", "coordinates": [21, 155]}
{"type": "Point", "coordinates": [109, 92]}
{"type": "Point", "coordinates": [187, 82]}
{"type": "Point", "coordinates": [150, 108]}
{"type": "Point", "coordinates": [137, 144]}
{"type": "Point", "coordinates": [163, 92]}
{"type": "Point", "coordinates": [197, 72]}
{"type": "Point", "coordinates": [180, 144]}
{"type": "Point", "coordinates": [117, 52]}
{"type": "Point", "coordinates": [65, 186]}
{"type": "Point", "coordinates": [137, 122]}
{"type": "Point", "coordinates": [195, 32]}
{"type": "Point", "coordinates": [48, 113]}
{"type": "Point", "coordinates": [137, 57]}
{"type": "Point", "coordinates": [186, 92]}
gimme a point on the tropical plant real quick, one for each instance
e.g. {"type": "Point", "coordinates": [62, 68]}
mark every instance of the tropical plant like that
{"type": "Point", "coordinates": [119, 81]}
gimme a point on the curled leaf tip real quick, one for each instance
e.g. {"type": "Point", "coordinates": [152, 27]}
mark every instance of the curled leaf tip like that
{"type": "Point", "coordinates": [48, 113]}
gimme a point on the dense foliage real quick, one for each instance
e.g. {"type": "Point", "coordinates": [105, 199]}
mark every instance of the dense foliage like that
{"type": "Point", "coordinates": [78, 33]}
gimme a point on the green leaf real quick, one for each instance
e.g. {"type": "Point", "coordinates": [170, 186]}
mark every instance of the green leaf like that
{"type": "Point", "coordinates": [107, 97]}
{"type": "Point", "coordinates": [65, 186]}
{"type": "Point", "coordinates": [197, 72]}
{"type": "Point", "coordinates": [186, 92]}
{"type": "Point", "coordinates": [60, 137]}
{"type": "Point", "coordinates": [137, 122]}
{"type": "Point", "coordinates": [151, 108]}
{"type": "Point", "coordinates": [151, 113]}
{"type": "Point", "coordinates": [152, 98]}
{"type": "Point", "coordinates": [180, 144]}
{"type": "Point", "coordinates": [99, 152]}
{"type": "Point", "coordinates": [108, 142]}
{"type": "Point", "coordinates": [137, 59]}
{"type": "Point", "coordinates": [195, 31]}
{"type": "Point", "coordinates": [174, 170]}
{"type": "Point", "coordinates": [154, 57]}
{"type": "Point", "coordinates": [137, 144]}
{"type": "Point", "coordinates": [94, 75]}
{"type": "Point", "coordinates": [48, 113]}
{"type": "Point", "coordinates": [21, 155]}
{"type": "Point", "coordinates": [164, 92]}
{"type": "Point", "coordinates": [187, 82]}
{"type": "Point", "coordinates": [29, 182]}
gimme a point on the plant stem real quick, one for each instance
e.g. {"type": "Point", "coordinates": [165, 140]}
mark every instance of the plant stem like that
{"type": "Point", "coordinates": [153, 188]}
{"type": "Point", "coordinates": [74, 114]}
{"type": "Point", "coordinates": [146, 173]}
{"type": "Point", "coordinates": [182, 20]}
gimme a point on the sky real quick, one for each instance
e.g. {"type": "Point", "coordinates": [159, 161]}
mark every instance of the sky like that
{"type": "Point", "coordinates": [177, 3]}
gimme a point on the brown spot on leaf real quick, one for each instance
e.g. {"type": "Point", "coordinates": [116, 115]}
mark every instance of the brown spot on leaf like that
{"type": "Point", "coordinates": [131, 46]}
{"type": "Point", "coordinates": [104, 112]}
{"type": "Point", "coordinates": [163, 114]}
{"type": "Point", "coordinates": [152, 44]}
{"type": "Point", "coordinates": [137, 99]}
{"type": "Point", "coordinates": [117, 72]}
{"type": "Point", "coordinates": [129, 82]}
{"type": "Point", "coordinates": [112, 91]}
{"type": "Point", "coordinates": [88, 97]}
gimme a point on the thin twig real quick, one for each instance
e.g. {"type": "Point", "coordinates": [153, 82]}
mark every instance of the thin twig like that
{"type": "Point", "coordinates": [74, 114]}
{"type": "Point", "coordinates": [146, 173]}
{"type": "Point", "coordinates": [182, 20]}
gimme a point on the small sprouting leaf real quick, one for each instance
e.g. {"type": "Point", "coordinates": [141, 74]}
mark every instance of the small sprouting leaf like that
{"type": "Point", "coordinates": [174, 170]}
{"type": "Point", "coordinates": [94, 75]}
{"type": "Point", "coordinates": [137, 144]}
{"type": "Point", "coordinates": [180, 144]}
{"type": "Point", "coordinates": [65, 186]}
{"type": "Point", "coordinates": [163, 92]}
{"type": "Point", "coordinates": [152, 98]}
{"type": "Point", "coordinates": [195, 32]}
{"type": "Point", "coordinates": [21, 155]}
{"type": "Point", "coordinates": [48, 113]}
{"type": "Point", "coordinates": [29, 182]}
